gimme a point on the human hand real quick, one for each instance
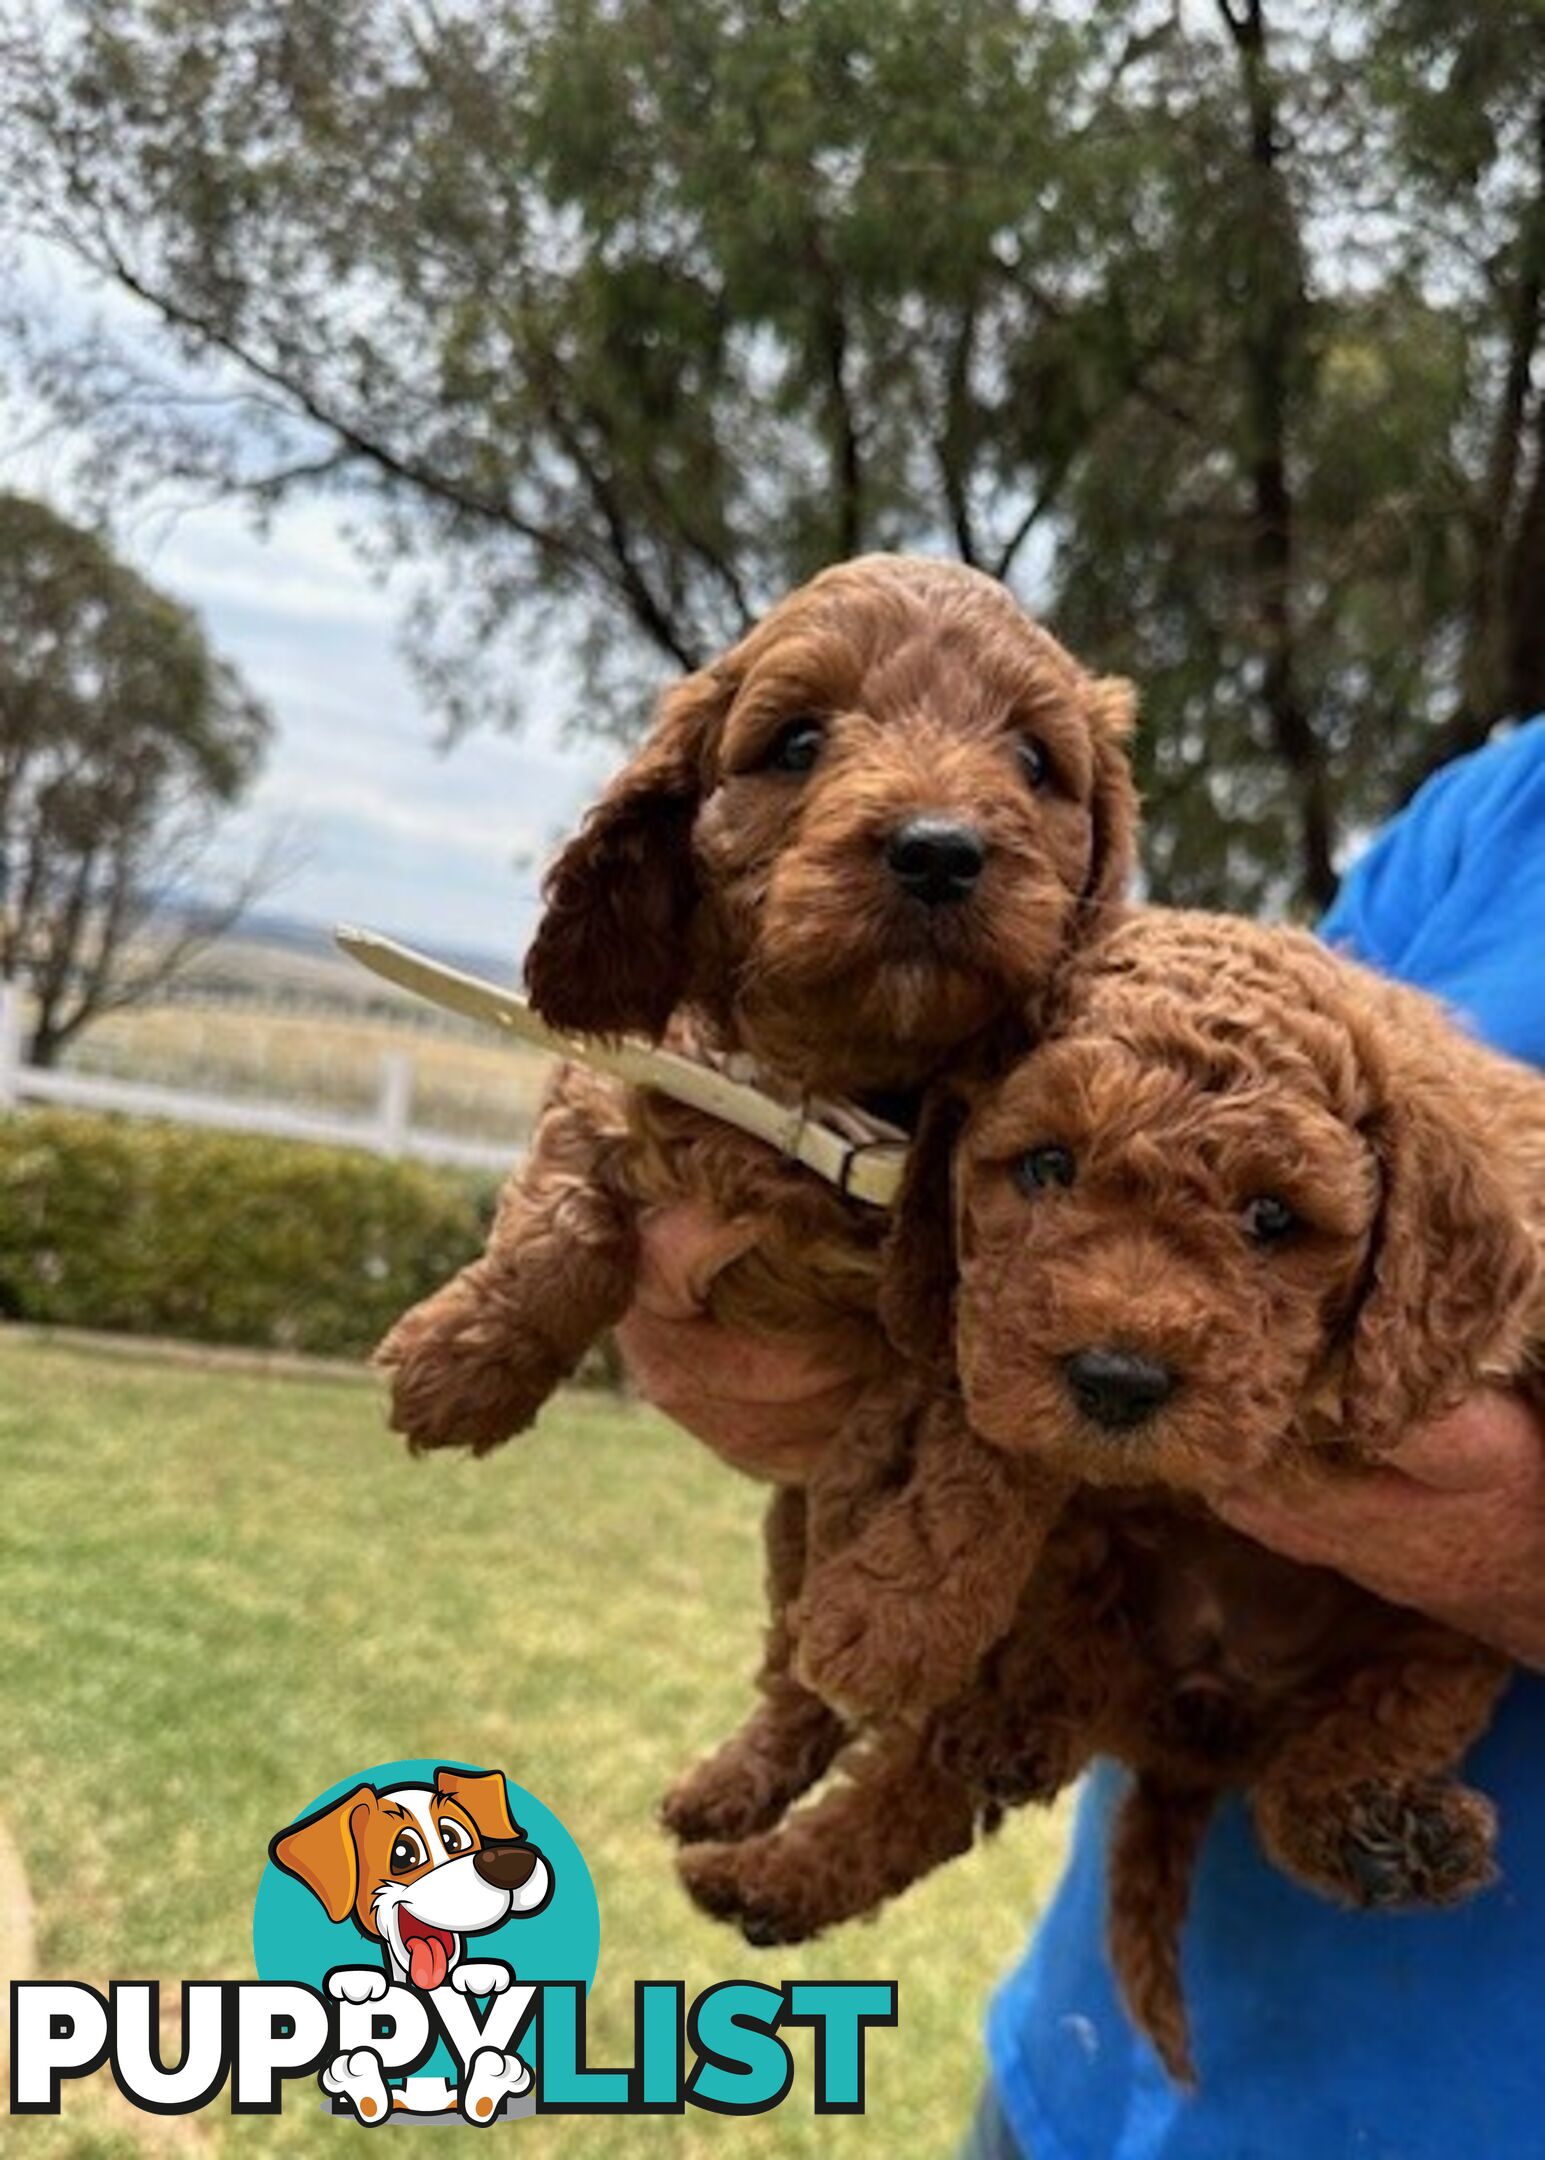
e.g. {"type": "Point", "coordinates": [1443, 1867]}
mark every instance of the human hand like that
{"type": "Point", "coordinates": [1451, 1522]}
{"type": "Point", "coordinates": [768, 1408]}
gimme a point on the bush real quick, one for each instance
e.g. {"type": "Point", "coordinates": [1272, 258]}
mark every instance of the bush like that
{"type": "Point", "coordinates": [219, 1237]}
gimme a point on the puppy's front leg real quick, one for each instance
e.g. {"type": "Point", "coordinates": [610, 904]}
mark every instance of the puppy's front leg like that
{"type": "Point", "coordinates": [473, 1364]}
{"type": "Point", "coordinates": [898, 1621]}
{"type": "Point", "coordinates": [1034, 1715]}
{"type": "Point", "coordinates": [791, 1737]}
{"type": "Point", "coordinates": [892, 1817]}
{"type": "Point", "coordinates": [1364, 1805]}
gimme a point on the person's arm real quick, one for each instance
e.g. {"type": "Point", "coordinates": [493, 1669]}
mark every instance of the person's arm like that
{"type": "Point", "coordinates": [1453, 1523]}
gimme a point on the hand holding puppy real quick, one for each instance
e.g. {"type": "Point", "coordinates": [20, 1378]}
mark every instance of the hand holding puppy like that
{"type": "Point", "coordinates": [1452, 1522]}
{"type": "Point", "coordinates": [768, 1406]}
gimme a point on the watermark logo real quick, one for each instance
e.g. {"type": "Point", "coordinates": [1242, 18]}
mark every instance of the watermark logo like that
{"type": "Point", "coordinates": [423, 1886]}
{"type": "Point", "coordinates": [425, 1936]}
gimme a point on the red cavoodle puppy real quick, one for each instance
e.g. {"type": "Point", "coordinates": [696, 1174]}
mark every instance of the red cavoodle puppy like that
{"type": "Point", "coordinates": [1249, 1204]}
{"type": "Point", "coordinates": [850, 850]}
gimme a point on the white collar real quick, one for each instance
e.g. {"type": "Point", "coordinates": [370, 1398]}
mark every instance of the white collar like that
{"type": "Point", "coordinates": [861, 1155]}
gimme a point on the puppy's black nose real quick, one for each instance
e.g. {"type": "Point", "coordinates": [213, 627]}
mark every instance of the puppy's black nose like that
{"type": "Point", "coordinates": [1117, 1388]}
{"type": "Point", "coordinates": [936, 859]}
{"type": "Point", "coordinates": [506, 1866]}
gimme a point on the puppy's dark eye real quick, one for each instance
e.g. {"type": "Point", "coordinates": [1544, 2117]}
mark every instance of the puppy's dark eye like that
{"type": "Point", "coordinates": [453, 1837]}
{"type": "Point", "coordinates": [1034, 760]}
{"type": "Point", "coordinates": [408, 1852]}
{"type": "Point", "coordinates": [1269, 1220]}
{"type": "Point", "coordinates": [1040, 1167]}
{"type": "Point", "coordinates": [795, 748]}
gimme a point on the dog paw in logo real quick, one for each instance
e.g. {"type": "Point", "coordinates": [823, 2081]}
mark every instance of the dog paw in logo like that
{"type": "Point", "coordinates": [428, 1901]}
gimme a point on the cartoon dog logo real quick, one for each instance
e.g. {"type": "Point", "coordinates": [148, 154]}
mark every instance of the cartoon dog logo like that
{"type": "Point", "coordinates": [419, 1869]}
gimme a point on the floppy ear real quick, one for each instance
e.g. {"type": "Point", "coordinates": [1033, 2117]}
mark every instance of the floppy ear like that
{"type": "Point", "coordinates": [1451, 1268]}
{"type": "Point", "coordinates": [485, 1800]}
{"type": "Point", "coordinates": [1113, 807]}
{"type": "Point", "coordinates": [918, 1270]}
{"type": "Point", "coordinates": [321, 1852]}
{"type": "Point", "coordinates": [610, 953]}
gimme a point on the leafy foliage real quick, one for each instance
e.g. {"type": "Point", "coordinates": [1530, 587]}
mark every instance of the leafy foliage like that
{"type": "Point", "coordinates": [121, 739]}
{"type": "Point", "coordinates": [1216, 328]}
{"type": "Point", "coordinates": [221, 1238]}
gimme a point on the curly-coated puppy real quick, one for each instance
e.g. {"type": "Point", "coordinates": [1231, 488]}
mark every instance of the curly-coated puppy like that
{"type": "Point", "coordinates": [1249, 1204]}
{"type": "Point", "coordinates": [849, 850]}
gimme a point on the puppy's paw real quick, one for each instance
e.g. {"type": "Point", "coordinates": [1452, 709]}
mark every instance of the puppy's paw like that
{"type": "Point", "coordinates": [357, 2078]}
{"type": "Point", "coordinates": [492, 2079]}
{"type": "Point", "coordinates": [1425, 1843]}
{"type": "Point", "coordinates": [486, 1977]}
{"type": "Point", "coordinates": [720, 1801]}
{"type": "Point", "coordinates": [1026, 1765]}
{"type": "Point", "coordinates": [458, 1381]}
{"type": "Point", "coordinates": [356, 1984]}
{"type": "Point", "coordinates": [740, 1885]}
{"type": "Point", "coordinates": [1387, 1847]}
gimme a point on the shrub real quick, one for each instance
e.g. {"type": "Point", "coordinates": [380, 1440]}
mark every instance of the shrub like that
{"type": "Point", "coordinates": [223, 1238]}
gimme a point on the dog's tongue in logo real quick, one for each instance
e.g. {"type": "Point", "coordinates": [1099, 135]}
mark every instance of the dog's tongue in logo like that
{"type": "Point", "coordinates": [429, 1951]}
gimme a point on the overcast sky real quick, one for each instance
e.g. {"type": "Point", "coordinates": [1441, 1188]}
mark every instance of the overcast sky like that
{"type": "Point", "coordinates": [382, 827]}
{"type": "Point", "coordinates": [389, 830]}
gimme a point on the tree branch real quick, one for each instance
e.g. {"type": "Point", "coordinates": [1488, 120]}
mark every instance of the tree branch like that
{"type": "Point", "coordinates": [109, 261]}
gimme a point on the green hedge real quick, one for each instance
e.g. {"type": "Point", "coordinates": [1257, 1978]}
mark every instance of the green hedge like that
{"type": "Point", "coordinates": [223, 1238]}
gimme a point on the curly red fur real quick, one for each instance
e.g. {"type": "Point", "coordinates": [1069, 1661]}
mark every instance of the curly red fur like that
{"type": "Point", "coordinates": [1193, 1066]}
{"type": "Point", "coordinates": [751, 909]}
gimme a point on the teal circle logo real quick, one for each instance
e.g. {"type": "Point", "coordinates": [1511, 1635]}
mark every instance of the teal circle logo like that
{"type": "Point", "coordinates": [441, 1881]}
{"type": "Point", "coordinates": [295, 1936]}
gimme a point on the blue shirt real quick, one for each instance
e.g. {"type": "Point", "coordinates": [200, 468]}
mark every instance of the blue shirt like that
{"type": "Point", "coordinates": [1320, 2033]}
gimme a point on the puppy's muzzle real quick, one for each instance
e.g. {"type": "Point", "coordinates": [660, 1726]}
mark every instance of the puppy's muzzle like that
{"type": "Point", "coordinates": [507, 1867]}
{"type": "Point", "coordinates": [936, 860]}
{"type": "Point", "coordinates": [1117, 1389]}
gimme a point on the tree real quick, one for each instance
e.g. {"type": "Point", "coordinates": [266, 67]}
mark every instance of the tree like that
{"type": "Point", "coordinates": [1216, 328]}
{"type": "Point", "coordinates": [122, 739]}
{"type": "Point", "coordinates": [1320, 552]}
{"type": "Point", "coordinates": [1465, 94]}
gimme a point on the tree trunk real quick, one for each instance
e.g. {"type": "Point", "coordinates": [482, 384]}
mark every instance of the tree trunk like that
{"type": "Point", "coordinates": [1524, 678]}
{"type": "Point", "coordinates": [43, 1048]}
{"type": "Point", "coordinates": [1273, 351]}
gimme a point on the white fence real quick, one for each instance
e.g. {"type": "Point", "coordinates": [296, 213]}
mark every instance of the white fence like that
{"type": "Point", "coordinates": [387, 1130]}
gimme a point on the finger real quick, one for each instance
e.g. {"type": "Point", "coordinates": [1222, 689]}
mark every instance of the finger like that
{"type": "Point", "coordinates": [1491, 1441]}
{"type": "Point", "coordinates": [1334, 1522]}
{"type": "Point", "coordinates": [698, 1357]}
{"type": "Point", "coordinates": [1283, 1529]}
{"type": "Point", "coordinates": [770, 1415]}
{"type": "Point", "coordinates": [681, 1249]}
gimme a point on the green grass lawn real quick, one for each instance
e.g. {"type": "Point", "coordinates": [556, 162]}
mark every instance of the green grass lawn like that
{"type": "Point", "coordinates": [218, 1594]}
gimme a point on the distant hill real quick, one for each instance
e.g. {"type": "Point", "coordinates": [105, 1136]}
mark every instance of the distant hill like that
{"type": "Point", "coordinates": [286, 961]}
{"type": "Point", "coordinates": [264, 927]}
